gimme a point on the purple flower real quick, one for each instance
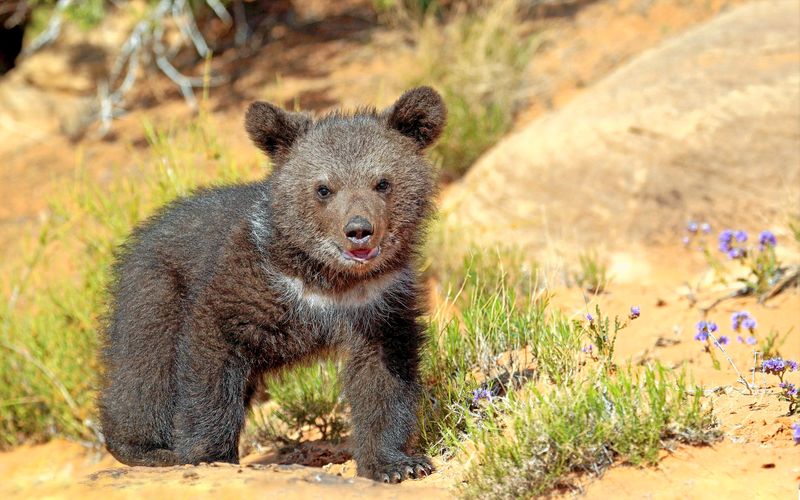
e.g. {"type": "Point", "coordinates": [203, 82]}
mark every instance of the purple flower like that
{"type": "Point", "coordinates": [685, 240]}
{"type": "Point", "coordinates": [775, 366]}
{"type": "Point", "coordinates": [740, 339]}
{"type": "Point", "coordinates": [735, 253]}
{"type": "Point", "coordinates": [725, 239]}
{"type": "Point", "coordinates": [481, 393]}
{"type": "Point", "coordinates": [737, 318]}
{"type": "Point", "coordinates": [749, 324]}
{"type": "Point", "coordinates": [751, 340]}
{"type": "Point", "coordinates": [587, 349]}
{"type": "Point", "coordinates": [796, 433]}
{"type": "Point", "coordinates": [723, 340]}
{"type": "Point", "coordinates": [589, 317]}
{"type": "Point", "coordinates": [691, 227]}
{"type": "Point", "coordinates": [635, 311]}
{"type": "Point", "coordinates": [791, 365]}
{"type": "Point", "coordinates": [703, 329]}
{"type": "Point", "coordinates": [705, 227]}
{"type": "Point", "coordinates": [766, 239]}
{"type": "Point", "coordinates": [789, 390]}
{"type": "Point", "coordinates": [740, 236]}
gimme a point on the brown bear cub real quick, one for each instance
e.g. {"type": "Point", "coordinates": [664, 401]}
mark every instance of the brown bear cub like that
{"type": "Point", "coordinates": [230, 283]}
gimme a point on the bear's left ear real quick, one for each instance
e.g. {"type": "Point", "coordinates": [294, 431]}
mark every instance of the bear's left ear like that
{"type": "Point", "coordinates": [420, 114]}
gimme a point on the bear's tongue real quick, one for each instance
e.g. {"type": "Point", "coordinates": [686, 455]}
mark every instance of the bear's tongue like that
{"type": "Point", "coordinates": [361, 253]}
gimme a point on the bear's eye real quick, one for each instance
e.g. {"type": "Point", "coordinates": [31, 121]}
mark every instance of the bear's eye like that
{"type": "Point", "coordinates": [382, 186]}
{"type": "Point", "coordinates": [324, 191]}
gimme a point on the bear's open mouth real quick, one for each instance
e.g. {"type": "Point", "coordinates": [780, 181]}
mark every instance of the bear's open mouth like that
{"type": "Point", "coordinates": [362, 254]}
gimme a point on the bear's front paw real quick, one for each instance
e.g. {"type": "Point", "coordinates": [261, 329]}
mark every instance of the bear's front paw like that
{"type": "Point", "coordinates": [415, 467]}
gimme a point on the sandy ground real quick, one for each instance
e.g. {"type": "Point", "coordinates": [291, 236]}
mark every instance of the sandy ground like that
{"type": "Point", "coordinates": [755, 459]}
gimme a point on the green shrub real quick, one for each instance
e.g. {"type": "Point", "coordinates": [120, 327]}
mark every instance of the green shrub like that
{"type": "Point", "coordinates": [303, 397]}
{"type": "Point", "coordinates": [477, 59]}
{"type": "Point", "coordinates": [517, 381]}
{"type": "Point", "coordinates": [583, 426]}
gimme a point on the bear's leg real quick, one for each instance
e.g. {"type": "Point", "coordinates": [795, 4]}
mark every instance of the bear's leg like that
{"type": "Point", "coordinates": [137, 396]}
{"type": "Point", "coordinates": [212, 387]}
{"type": "Point", "coordinates": [380, 381]}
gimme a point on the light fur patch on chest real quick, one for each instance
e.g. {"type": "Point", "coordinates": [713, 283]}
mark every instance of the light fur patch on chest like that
{"type": "Point", "coordinates": [367, 293]}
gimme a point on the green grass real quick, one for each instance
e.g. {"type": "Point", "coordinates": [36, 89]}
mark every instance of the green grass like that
{"type": "Point", "coordinates": [477, 59]}
{"type": "Point", "coordinates": [304, 397]}
{"type": "Point", "coordinates": [536, 441]}
{"type": "Point", "coordinates": [593, 273]}
{"type": "Point", "coordinates": [555, 410]}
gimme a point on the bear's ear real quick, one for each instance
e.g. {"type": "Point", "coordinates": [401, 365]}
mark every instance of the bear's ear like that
{"type": "Point", "coordinates": [274, 130]}
{"type": "Point", "coordinates": [420, 114]}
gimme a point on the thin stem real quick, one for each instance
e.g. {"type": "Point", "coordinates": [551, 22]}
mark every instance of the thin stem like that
{"type": "Point", "coordinates": [741, 378]}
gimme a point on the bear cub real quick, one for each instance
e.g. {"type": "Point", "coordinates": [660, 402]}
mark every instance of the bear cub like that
{"type": "Point", "coordinates": [226, 285]}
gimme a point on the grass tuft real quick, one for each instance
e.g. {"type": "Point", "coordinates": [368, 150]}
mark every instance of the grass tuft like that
{"type": "Point", "coordinates": [477, 59]}
{"type": "Point", "coordinates": [583, 427]}
{"type": "Point", "coordinates": [593, 275]}
{"type": "Point", "coordinates": [509, 378]}
{"type": "Point", "coordinates": [306, 397]}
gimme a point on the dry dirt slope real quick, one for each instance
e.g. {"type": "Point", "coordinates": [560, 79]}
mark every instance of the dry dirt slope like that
{"type": "Point", "coordinates": [704, 126]}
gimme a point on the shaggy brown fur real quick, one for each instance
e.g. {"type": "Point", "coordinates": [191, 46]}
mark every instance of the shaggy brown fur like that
{"type": "Point", "coordinates": [226, 285]}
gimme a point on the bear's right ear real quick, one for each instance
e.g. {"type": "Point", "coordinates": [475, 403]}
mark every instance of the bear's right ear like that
{"type": "Point", "coordinates": [274, 130]}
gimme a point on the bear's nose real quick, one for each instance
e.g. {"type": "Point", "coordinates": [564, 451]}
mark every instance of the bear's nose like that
{"type": "Point", "coordinates": [358, 230]}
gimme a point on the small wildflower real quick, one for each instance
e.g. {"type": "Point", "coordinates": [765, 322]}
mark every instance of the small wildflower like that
{"type": "Point", "coordinates": [737, 318]}
{"type": "Point", "coordinates": [767, 239]}
{"type": "Point", "coordinates": [705, 227]}
{"type": "Point", "coordinates": [778, 366]}
{"type": "Point", "coordinates": [587, 349]}
{"type": "Point", "coordinates": [735, 253]}
{"type": "Point", "coordinates": [774, 366]}
{"type": "Point", "coordinates": [635, 311]}
{"type": "Point", "coordinates": [796, 433]}
{"type": "Point", "coordinates": [751, 340]}
{"type": "Point", "coordinates": [740, 339]}
{"type": "Point", "coordinates": [723, 340]}
{"type": "Point", "coordinates": [749, 324]}
{"type": "Point", "coordinates": [691, 227]}
{"type": "Point", "coordinates": [589, 317]}
{"type": "Point", "coordinates": [740, 236]}
{"type": "Point", "coordinates": [703, 329]}
{"type": "Point", "coordinates": [481, 393]}
{"type": "Point", "coordinates": [725, 240]}
{"type": "Point", "coordinates": [789, 389]}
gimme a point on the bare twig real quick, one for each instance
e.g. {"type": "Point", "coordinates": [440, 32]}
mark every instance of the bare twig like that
{"type": "Point", "coordinates": [791, 277]}
{"type": "Point", "coordinates": [742, 292]}
{"type": "Point", "coordinates": [741, 377]}
{"type": "Point", "coordinates": [52, 30]}
{"type": "Point", "coordinates": [242, 31]}
{"type": "Point", "coordinates": [145, 44]}
{"type": "Point", "coordinates": [220, 11]}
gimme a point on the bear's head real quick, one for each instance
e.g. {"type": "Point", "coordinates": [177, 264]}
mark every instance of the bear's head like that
{"type": "Point", "coordinates": [351, 191]}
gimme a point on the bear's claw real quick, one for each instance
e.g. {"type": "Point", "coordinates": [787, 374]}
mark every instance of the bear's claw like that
{"type": "Point", "coordinates": [410, 467]}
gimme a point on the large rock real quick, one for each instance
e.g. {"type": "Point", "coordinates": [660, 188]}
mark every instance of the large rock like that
{"type": "Point", "coordinates": [705, 126]}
